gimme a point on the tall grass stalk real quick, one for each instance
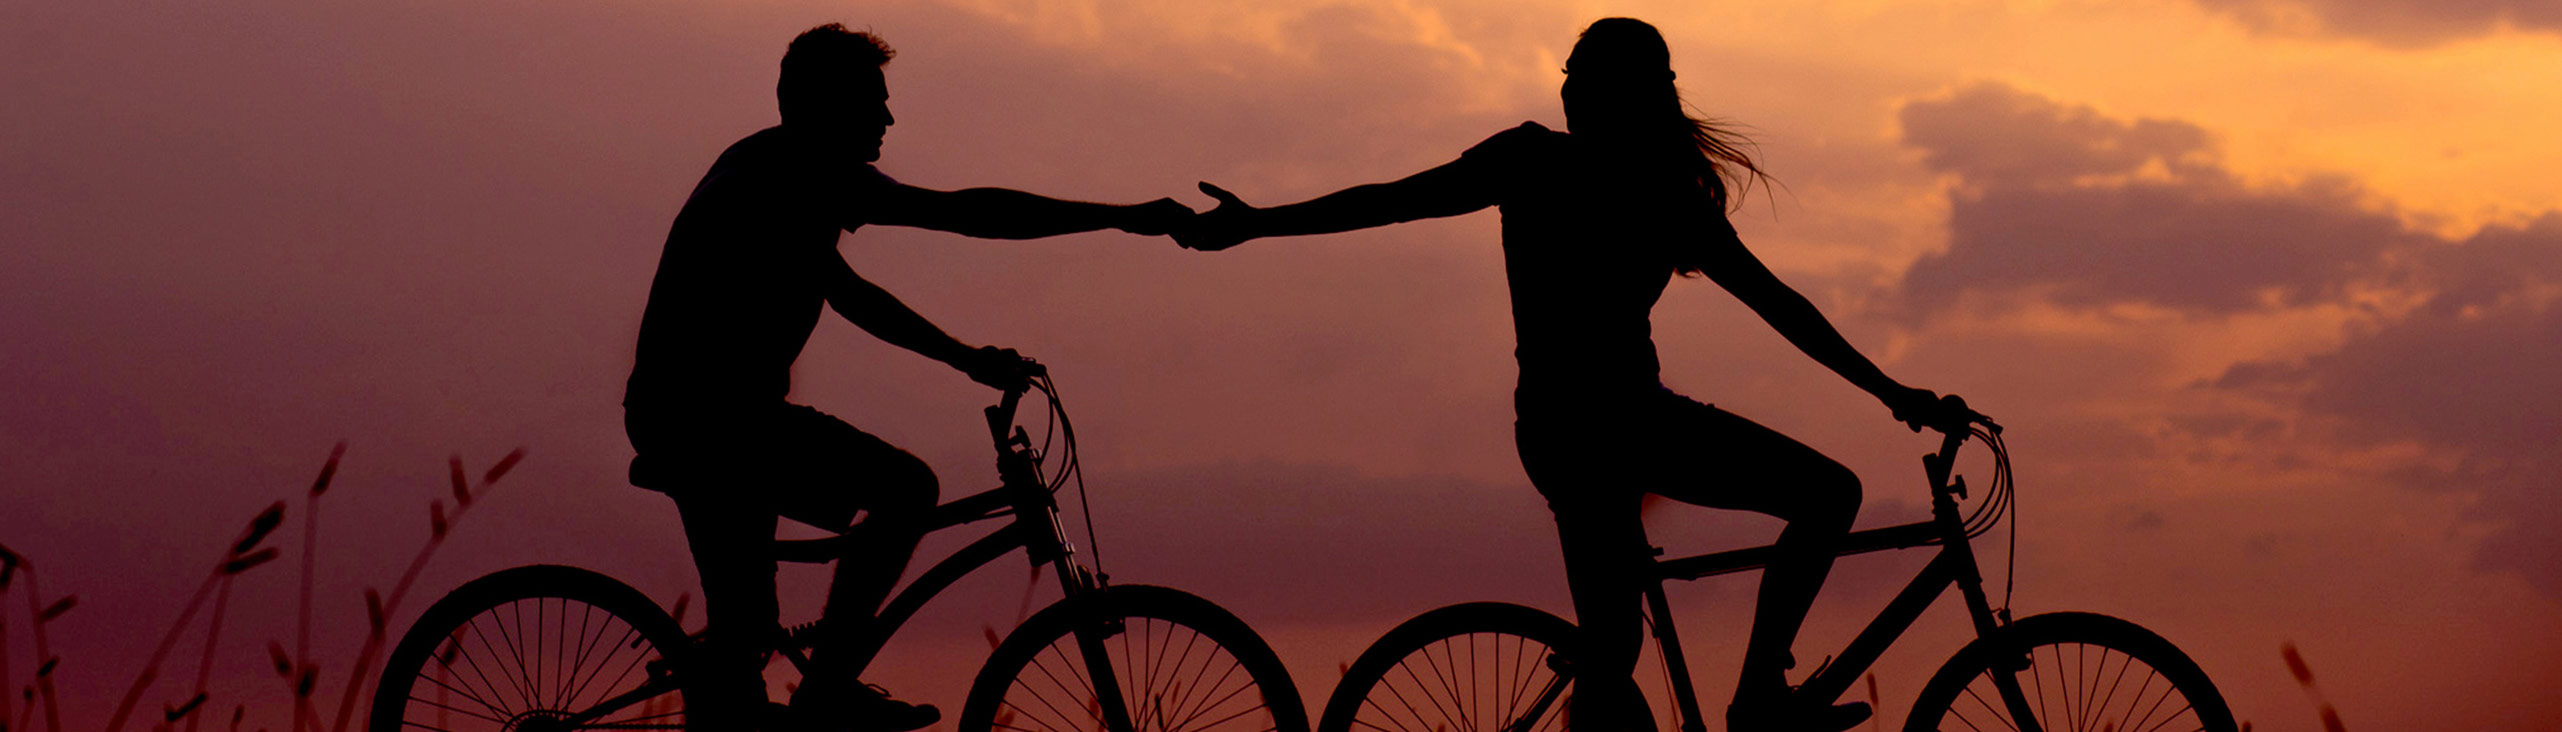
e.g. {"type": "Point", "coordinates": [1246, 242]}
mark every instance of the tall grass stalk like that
{"type": "Point", "coordinates": [302, 611]}
{"type": "Point", "coordinates": [8, 574]}
{"type": "Point", "coordinates": [213, 639]}
{"type": "Point", "coordinates": [243, 556]}
{"type": "Point", "coordinates": [379, 611]}
{"type": "Point", "coordinates": [45, 662]}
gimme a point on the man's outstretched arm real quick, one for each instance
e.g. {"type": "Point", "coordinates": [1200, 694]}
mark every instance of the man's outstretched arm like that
{"type": "Point", "coordinates": [1000, 213]}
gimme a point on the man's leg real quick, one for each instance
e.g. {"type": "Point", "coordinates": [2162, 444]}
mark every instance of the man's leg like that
{"type": "Point", "coordinates": [733, 546]}
{"type": "Point", "coordinates": [900, 491]}
{"type": "Point", "coordinates": [837, 471]}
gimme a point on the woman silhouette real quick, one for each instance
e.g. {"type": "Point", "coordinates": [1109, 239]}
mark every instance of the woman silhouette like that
{"type": "Point", "coordinates": [1595, 223]}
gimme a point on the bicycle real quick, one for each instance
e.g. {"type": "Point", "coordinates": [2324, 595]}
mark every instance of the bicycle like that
{"type": "Point", "coordinates": [1501, 667]}
{"type": "Point", "coordinates": [600, 655]}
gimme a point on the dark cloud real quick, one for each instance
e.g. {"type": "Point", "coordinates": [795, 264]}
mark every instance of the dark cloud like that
{"type": "Point", "coordinates": [2087, 210]}
{"type": "Point", "coordinates": [2062, 203]}
{"type": "Point", "coordinates": [2478, 369]}
{"type": "Point", "coordinates": [2393, 22]}
{"type": "Point", "coordinates": [1991, 133]}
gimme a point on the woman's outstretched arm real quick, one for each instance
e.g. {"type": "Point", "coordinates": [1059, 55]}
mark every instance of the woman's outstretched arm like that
{"type": "Point", "coordinates": [1449, 190]}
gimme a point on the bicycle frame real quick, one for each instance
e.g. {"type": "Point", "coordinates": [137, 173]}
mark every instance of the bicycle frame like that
{"type": "Point", "coordinates": [1035, 529]}
{"type": "Point", "coordinates": [1021, 495]}
{"type": "Point", "coordinates": [1955, 565]}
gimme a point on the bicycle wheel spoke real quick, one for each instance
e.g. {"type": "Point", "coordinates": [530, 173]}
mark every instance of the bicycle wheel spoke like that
{"type": "Point", "coordinates": [1426, 690]}
{"type": "Point", "coordinates": [1214, 705]}
{"type": "Point", "coordinates": [1085, 691]}
{"type": "Point", "coordinates": [501, 713]}
{"type": "Point", "coordinates": [2183, 708]}
{"type": "Point", "coordinates": [475, 697]}
{"type": "Point", "coordinates": [1998, 714]}
{"type": "Point", "coordinates": [2094, 660]}
{"type": "Point", "coordinates": [1182, 694]}
{"type": "Point", "coordinates": [456, 710]}
{"type": "Point", "coordinates": [1215, 686]}
{"type": "Point", "coordinates": [2140, 691]}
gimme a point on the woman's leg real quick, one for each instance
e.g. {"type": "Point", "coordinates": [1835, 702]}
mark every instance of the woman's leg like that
{"type": "Point", "coordinates": [1604, 545]}
{"type": "Point", "coordinates": [1755, 468]}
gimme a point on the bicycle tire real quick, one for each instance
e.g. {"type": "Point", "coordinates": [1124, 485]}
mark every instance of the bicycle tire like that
{"type": "Point", "coordinates": [489, 669]}
{"type": "Point", "coordinates": [1162, 644]}
{"type": "Point", "coordinates": [2067, 682]}
{"type": "Point", "coordinates": [1480, 657]}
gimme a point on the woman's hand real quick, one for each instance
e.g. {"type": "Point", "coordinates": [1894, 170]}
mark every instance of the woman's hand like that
{"type": "Point", "coordinates": [1218, 228]}
{"type": "Point", "coordinates": [1919, 408]}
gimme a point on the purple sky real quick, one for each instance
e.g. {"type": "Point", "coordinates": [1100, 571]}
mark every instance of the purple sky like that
{"type": "Point", "coordinates": [2275, 371]}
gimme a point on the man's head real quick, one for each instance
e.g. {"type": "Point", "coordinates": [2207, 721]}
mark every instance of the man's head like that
{"type": "Point", "coordinates": [832, 86]}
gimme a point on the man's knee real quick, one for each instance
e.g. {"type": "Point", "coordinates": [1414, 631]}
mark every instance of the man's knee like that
{"type": "Point", "coordinates": [905, 486]}
{"type": "Point", "coordinates": [1830, 497]}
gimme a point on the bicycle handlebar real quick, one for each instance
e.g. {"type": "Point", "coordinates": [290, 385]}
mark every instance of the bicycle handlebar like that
{"type": "Point", "coordinates": [1000, 418]}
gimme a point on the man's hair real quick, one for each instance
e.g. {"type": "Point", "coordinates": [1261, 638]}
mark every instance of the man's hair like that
{"type": "Point", "coordinates": [823, 52]}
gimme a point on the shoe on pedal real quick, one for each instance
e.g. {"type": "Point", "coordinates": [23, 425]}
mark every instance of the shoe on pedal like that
{"type": "Point", "coordinates": [863, 708]}
{"type": "Point", "coordinates": [1787, 716]}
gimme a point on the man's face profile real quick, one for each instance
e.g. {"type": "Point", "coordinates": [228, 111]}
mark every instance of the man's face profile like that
{"type": "Point", "coordinates": [849, 110]}
{"type": "Point", "coordinates": [867, 101]}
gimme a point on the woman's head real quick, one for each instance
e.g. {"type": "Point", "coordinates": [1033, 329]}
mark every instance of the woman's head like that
{"type": "Point", "coordinates": [1619, 91]}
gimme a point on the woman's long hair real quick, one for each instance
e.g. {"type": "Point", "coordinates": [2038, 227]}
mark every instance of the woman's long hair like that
{"type": "Point", "coordinates": [1626, 70]}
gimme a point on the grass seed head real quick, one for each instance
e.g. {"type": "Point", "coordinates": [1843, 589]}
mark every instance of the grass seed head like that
{"type": "Point", "coordinates": [328, 469]}
{"type": "Point", "coordinates": [181, 711]}
{"type": "Point", "coordinates": [2295, 665]}
{"type": "Point", "coordinates": [246, 563]}
{"type": "Point", "coordinates": [259, 528]}
{"type": "Point", "coordinates": [462, 485]}
{"type": "Point", "coordinates": [58, 607]}
{"type": "Point", "coordinates": [504, 464]}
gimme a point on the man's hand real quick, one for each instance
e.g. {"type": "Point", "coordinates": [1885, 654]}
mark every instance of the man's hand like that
{"type": "Point", "coordinates": [1221, 227]}
{"type": "Point", "coordinates": [1000, 368]}
{"type": "Point", "coordinates": [1155, 218]}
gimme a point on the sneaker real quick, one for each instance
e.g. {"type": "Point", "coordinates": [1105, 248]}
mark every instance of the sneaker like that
{"type": "Point", "coordinates": [866, 708]}
{"type": "Point", "coordinates": [1787, 717]}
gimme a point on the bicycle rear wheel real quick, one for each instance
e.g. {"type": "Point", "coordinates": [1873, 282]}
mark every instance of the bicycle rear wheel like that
{"type": "Point", "coordinates": [2076, 672]}
{"type": "Point", "coordinates": [1474, 667]}
{"type": "Point", "coordinates": [1177, 662]}
{"type": "Point", "coordinates": [542, 647]}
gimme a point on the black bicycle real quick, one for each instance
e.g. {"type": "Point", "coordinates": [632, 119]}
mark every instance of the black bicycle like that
{"type": "Point", "coordinates": [1498, 667]}
{"type": "Point", "coordinates": [549, 648]}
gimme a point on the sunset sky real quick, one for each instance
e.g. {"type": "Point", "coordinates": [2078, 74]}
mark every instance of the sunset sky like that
{"type": "Point", "coordinates": [2267, 292]}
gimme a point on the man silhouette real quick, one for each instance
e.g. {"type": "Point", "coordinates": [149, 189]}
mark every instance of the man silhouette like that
{"type": "Point", "coordinates": [747, 264]}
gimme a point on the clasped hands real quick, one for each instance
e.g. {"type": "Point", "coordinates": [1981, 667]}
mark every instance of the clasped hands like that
{"type": "Point", "coordinates": [1218, 228]}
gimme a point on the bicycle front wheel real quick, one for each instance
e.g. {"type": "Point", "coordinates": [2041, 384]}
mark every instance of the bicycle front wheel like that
{"type": "Point", "coordinates": [1474, 667]}
{"type": "Point", "coordinates": [1161, 659]}
{"type": "Point", "coordinates": [2073, 672]}
{"type": "Point", "coordinates": [543, 647]}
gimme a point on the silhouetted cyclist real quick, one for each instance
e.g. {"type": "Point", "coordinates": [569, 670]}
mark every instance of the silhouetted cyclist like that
{"type": "Point", "coordinates": [738, 290]}
{"type": "Point", "coordinates": [1595, 223]}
